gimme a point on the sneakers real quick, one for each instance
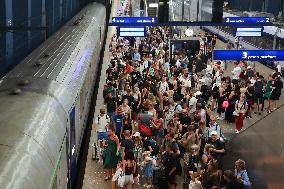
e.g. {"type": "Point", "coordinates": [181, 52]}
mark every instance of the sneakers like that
{"type": "Point", "coordinates": [237, 132]}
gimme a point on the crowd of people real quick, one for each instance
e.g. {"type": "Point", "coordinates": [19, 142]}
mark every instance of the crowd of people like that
{"type": "Point", "coordinates": [161, 118]}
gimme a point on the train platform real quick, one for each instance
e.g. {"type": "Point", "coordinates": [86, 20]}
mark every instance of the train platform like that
{"type": "Point", "coordinates": [94, 173]}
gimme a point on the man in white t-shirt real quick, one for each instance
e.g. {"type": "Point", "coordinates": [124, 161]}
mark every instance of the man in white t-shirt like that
{"type": "Point", "coordinates": [192, 103]}
{"type": "Point", "coordinates": [100, 125]}
{"type": "Point", "coordinates": [185, 81]}
{"type": "Point", "coordinates": [236, 72]}
{"type": "Point", "coordinates": [279, 69]}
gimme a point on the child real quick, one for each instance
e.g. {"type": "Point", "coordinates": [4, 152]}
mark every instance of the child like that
{"type": "Point", "coordinates": [195, 182]}
{"type": "Point", "coordinates": [148, 169]}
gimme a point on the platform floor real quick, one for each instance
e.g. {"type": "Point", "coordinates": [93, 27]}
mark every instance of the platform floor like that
{"type": "Point", "coordinates": [94, 178]}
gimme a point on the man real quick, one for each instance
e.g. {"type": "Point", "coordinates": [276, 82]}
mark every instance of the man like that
{"type": "Point", "coordinates": [174, 106]}
{"type": "Point", "coordinates": [110, 104]}
{"type": "Point", "coordinates": [118, 121]}
{"type": "Point", "coordinates": [214, 126]}
{"type": "Point", "coordinates": [136, 55]}
{"type": "Point", "coordinates": [236, 73]}
{"type": "Point", "coordinates": [219, 148]}
{"type": "Point", "coordinates": [151, 145]}
{"type": "Point", "coordinates": [127, 143]}
{"type": "Point", "coordinates": [170, 164]}
{"type": "Point", "coordinates": [185, 81]}
{"type": "Point", "coordinates": [129, 97]}
{"type": "Point", "coordinates": [100, 125]}
{"type": "Point", "coordinates": [258, 98]}
{"type": "Point", "coordinates": [163, 86]}
{"type": "Point", "coordinates": [193, 102]}
{"type": "Point", "coordinates": [231, 181]}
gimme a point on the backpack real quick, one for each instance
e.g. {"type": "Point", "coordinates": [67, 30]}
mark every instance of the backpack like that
{"type": "Point", "coordinates": [179, 167]}
{"type": "Point", "coordinates": [155, 147]}
{"type": "Point", "coordinates": [100, 118]}
{"type": "Point", "coordinates": [144, 129]}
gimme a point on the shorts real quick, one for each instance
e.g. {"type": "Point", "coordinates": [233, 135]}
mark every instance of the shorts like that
{"type": "Point", "coordinates": [258, 99]}
{"type": "Point", "coordinates": [171, 179]}
{"type": "Point", "coordinates": [128, 179]}
{"type": "Point", "coordinates": [160, 134]}
{"type": "Point", "coordinates": [102, 136]}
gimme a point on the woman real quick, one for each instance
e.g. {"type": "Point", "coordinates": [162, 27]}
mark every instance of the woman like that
{"type": "Point", "coordinates": [240, 111]}
{"type": "Point", "coordinates": [158, 125]}
{"type": "Point", "coordinates": [126, 108]}
{"type": "Point", "coordinates": [211, 178]}
{"type": "Point", "coordinates": [112, 154]}
{"type": "Point", "coordinates": [190, 138]}
{"type": "Point", "coordinates": [221, 99]}
{"type": "Point", "coordinates": [268, 92]}
{"type": "Point", "coordinates": [231, 180]}
{"type": "Point", "coordinates": [137, 102]}
{"type": "Point", "coordinates": [233, 97]}
{"type": "Point", "coordinates": [206, 157]}
{"type": "Point", "coordinates": [151, 109]}
{"type": "Point", "coordinates": [277, 86]}
{"type": "Point", "coordinates": [241, 173]}
{"type": "Point", "coordinates": [127, 125]}
{"type": "Point", "coordinates": [129, 168]}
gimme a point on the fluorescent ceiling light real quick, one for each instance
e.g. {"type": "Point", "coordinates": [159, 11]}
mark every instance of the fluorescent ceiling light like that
{"type": "Point", "coordinates": [153, 5]}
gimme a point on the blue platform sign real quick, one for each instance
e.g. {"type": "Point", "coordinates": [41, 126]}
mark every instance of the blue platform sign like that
{"type": "Point", "coordinates": [255, 55]}
{"type": "Point", "coordinates": [248, 20]}
{"type": "Point", "coordinates": [133, 20]}
{"type": "Point", "coordinates": [249, 31]}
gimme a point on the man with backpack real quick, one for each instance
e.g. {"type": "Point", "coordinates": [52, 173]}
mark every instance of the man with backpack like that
{"type": "Point", "coordinates": [100, 125]}
{"type": "Point", "coordinates": [214, 126]}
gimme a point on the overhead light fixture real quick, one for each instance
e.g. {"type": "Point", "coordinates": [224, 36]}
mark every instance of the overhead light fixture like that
{"type": "Point", "coordinates": [153, 5]}
{"type": "Point", "coordinates": [188, 32]}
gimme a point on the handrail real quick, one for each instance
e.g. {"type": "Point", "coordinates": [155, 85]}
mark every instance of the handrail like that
{"type": "Point", "coordinates": [146, 8]}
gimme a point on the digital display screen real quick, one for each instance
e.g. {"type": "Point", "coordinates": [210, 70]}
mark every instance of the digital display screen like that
{"type": "Point", "coordinates": [131, 31]}
{"type": "Point", "coordinates": [249, 32]}
{"type": "Point", "coordinates": [255, 55]}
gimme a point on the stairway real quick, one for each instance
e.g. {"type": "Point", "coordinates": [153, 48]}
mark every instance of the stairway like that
{"type": "Point", "coordinates": [152, 11]}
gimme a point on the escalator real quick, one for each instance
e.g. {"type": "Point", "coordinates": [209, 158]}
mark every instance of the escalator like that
{"type": "Point", "coordinates": [262, 147]}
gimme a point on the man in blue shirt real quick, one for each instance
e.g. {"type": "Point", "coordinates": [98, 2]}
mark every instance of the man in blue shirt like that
{"type": "Point", "coordinates": [136, 55]}
{"type": "Point", "coordinates": [118, 121]}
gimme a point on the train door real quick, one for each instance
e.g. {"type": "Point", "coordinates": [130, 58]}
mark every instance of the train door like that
{"type": "Point", "coordinates": [72, 149]}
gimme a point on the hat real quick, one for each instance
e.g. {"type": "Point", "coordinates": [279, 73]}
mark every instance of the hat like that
{"type": "Point", "coordinates": [213, 133]}
{"type": "Point", "coordinates": [197, 93]}
{"type": "Point", "coordinates": [119, 110]}
{"type": "Point", "coordinates": [137, 134]}
{"type": "Point", "coordinates": [194, 147]}
{"type": "Point", "coordinates": [248, 67]}
{"type": "Point", "coordinates": [202, 80]}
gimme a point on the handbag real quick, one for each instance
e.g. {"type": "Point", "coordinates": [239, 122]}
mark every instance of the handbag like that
{"type": "Point", "coordinates": [121, 180]}
{"type": "Point", "coordinates": [143, 129]}
{"type": "Point", "coordinates": [235, 113]}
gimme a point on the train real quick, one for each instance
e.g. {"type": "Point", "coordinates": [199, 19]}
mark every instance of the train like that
{"type": "Point", "coordinates": [45, 102]}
